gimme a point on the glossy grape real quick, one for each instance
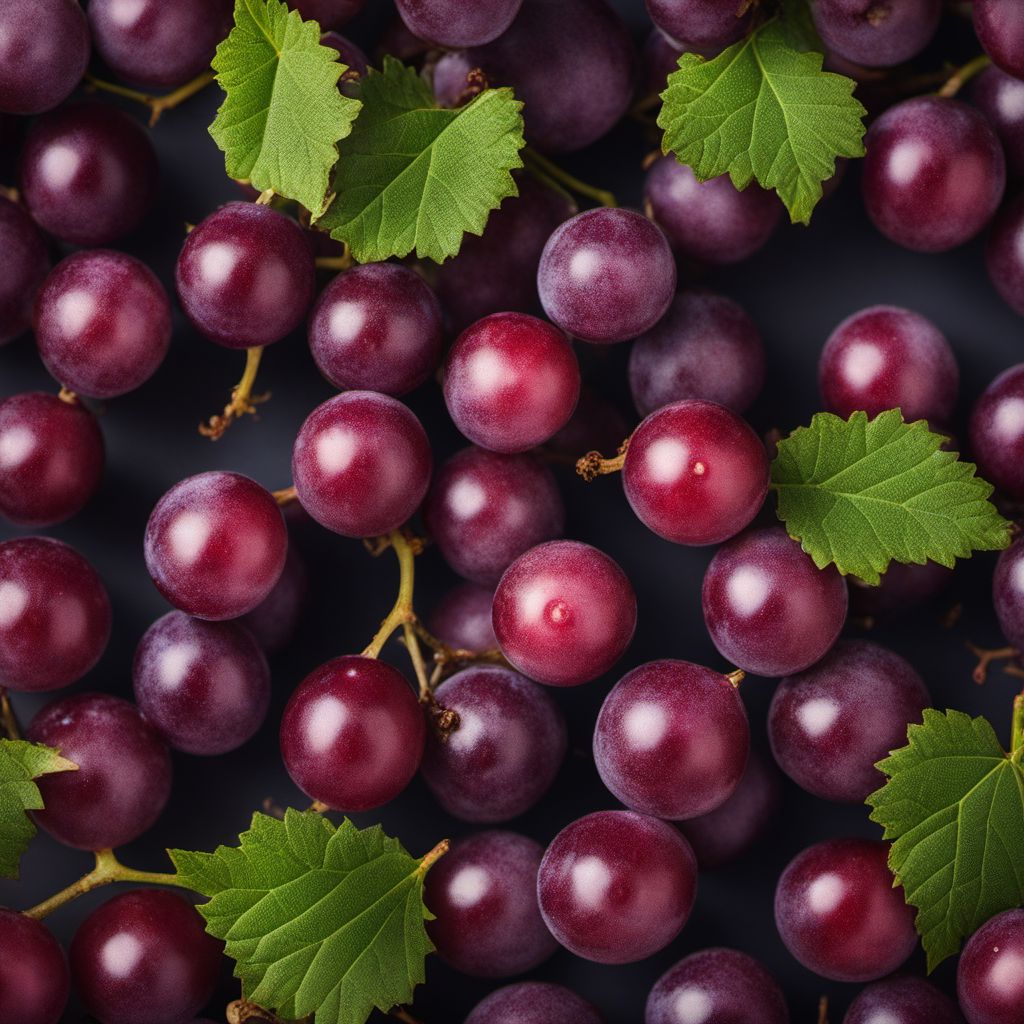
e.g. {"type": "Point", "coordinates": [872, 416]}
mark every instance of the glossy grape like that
{"type": "Point", "coordinates": [839, 914]}
{"type": "Point", "coordinates": [672, 739]}
{"type": "Point", "coordinates": [533, 1002]}
{"type": "Point", "coordinates": [88, 173]}
{"type": "Point", "coordinates": [462, 618]}
{"type": "Point", "coordinates": [51, 458]}
{"type": "Point", "coordinates": [990, 975]}
{"type": "Point", "coordinates": [484, 510]}
{"type": "Point", "coordinates": [996, 432]}
{"type": "Point", "coordinates": [352, 734]}
{"type": "Point", "coordinates": [1000, 97]}
{"type": "Point", "coordinates": [616, 886]}
{"type": "Point", "coordinates": [902, 1000]}
{"type": "Point", "coordinates": [144, 955]}
{"type": "Point", "coordinates": [54, 614]}
{"type": "Point", "coordinates": [215, 545]}
{"type": "Point", "coordinates": [903, 588]}
{"type": "Point", "coordinates": [34, 976]}
{"type": "Point", "coordinates": [453, 23]}
{"type": "Point", "coordinates": [1004, 254]}
{"type": "Point", "coordinates": [564, 612]}
{"type": "Point", "coordinates": [511, 381]}
{"type": "Point", "coordinates": [768, 608]}
{"type": "Point", "coordinates": [361, 464]}
{"type": "Point", "coordinates": [102, 323]}
{"type": "Point", "coordinates": [506, 751]}
{"type": "Point", "coordinates": [934, 173]}
{"type": "Point", "coordinates": [606, 275]}
{"type": "Point", "coordinates": [275, 619]}
{"type": "Point", "coordinates": [1008, 593]}
{"type": "Point", "coordinates": [329, 13]}
{"type": "Point", "coordinates": [484, 895]}
{"type": "Point", "coordinates": [124, 771]}
{"type": "Point", "coordinates": [876, 35]}
{"type": "Point", "coordinates": [1000, 28]}
{"type": "Point", "coordinates": [26, 264]}
{"type": "Point", "coordinates": [706, 24]}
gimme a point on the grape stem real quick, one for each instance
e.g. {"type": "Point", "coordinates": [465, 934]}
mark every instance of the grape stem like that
{"type": "Point", "coordinates": [963, 75]}
{"type": "Point", "coordinates": [265, 198]}
{"type": "Point", "coordinates": [286, 495]}
{"type": "Point", "coordinates": [735, 677]}
{"type": "Point", "coordinates": [8, 719]}
{"type": "Point", "coordinates": [986, 656]}
{"type": "Point", "coordinates": [243, 401]}
{"type": "Point", "coordinates": [402, 1014]}
{"type": "Point", "coordinates": [67, 395]}
{"type": "Point", "coordinates": [823, 1010]}
{"type": "Point", "coordinates": [433, 857]}
{"type": "Point", "coordinates": [157, 104]}
{"type": "Point", "coordinates": [108, 869]}
{"type": "Point", "coordinates": [542, 167]}
{"type": "Point", "coordinates": [1017, 729]}
{"type": "Point", "coordinates": [401, 613]}
{"type": "Point", "coordinates": [334, 262]}
{"type": "Point", "coordinates": [11, 193]}
{"type": "Point", "coordinates": [594, 464]}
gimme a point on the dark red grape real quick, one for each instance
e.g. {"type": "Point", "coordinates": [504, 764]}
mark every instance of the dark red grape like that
{"type": "Point", "coordinates": [616, 886]}
{"type": "Point", "coordinates": [88, 173]}
{"type": "Point", "coordinates": [144, 956]}
{"type": "Point", "coordinates": [51, 458]}
{"type": "Point", "coordinates": [34, 977]}
{"type": "Point", "coordinates": [453, 23]}
{"type": "Point", "coordinates": [215, 545]}
{"type": "Point", "coordinates": [102, 323]}
{"type": "Point", "coordinates": [124, 771]}
{"type": "Point", "coordinates": [606, 275]}
{"type": "Point", "coordinates": [329, 13]}
{"type": "Point", "coordinates": [876, 35]}
{"type": "Point", "coordinates": [533, 1002]}
{"type": "Point", "coordinates": [54, 614]}
{"type": "Point", "coordinates": [672, 739]}
{"type": "Point", "coordinates": [996, 432]}
{"type": "Point", "coordinates": [564, 613]}
{"type": "Point", "coordinates": [1008, 593]}
{"type": "Point", "coordinates": [990, 975]}
{"type": "Point", "coordinates": [274, 620]}
{"type": "Point", "coordinates": [361, 464]}
{"type": "Point", "coordinates": [462, 618]}
{"type": "Point", "coordinates": [659, 59]}
{"type": "Point", "coordinates": [26, 264]}
{"type": "Point", "coordinates": [706, 24]}
{"type": "Point", "coordinates": [1000, 98]}
{"type": "Point", "coordinates": [506, 751]}
{"type": "Point", "coordinates": [1004, 253]}
{"type": "Point", "coordinates": [484, 893]}
{"type": "Point", "coordinates": [1000, 28]}
{"type": "Point", "coordinates": [903, 587]}
{"type": "Point", "coordinates": [352, 734]}
{"type": "Point", "coordinates": [902, 1000]}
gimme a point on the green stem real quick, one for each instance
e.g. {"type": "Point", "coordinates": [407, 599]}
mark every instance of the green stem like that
{"type": "Point", "coordinates": [433, 857]}
{"type": "Point", "coordinates": [401, 613]}
{"type": "Point", "coordinates": [243, 401]}
{"type": "Point", "coordinates": [963, 75]}
{"type": "Point", "coordinates": [156, 104]}
{"type": "Point", "coordinates": [1017, 728]}
{"type": "Point", "coordinates": [536, 162]}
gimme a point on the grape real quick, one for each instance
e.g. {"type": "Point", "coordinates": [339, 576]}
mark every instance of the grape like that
{"type": "Point", "coordinates": [361, 464]}
{"type": "Point", "coordinates": [506, 751]}
{"type": "Point", "coordinates": [329, 13]}
{"type": "Point", "coordinates": [51, 458]}
{"type": "Point", "coordinates": [716, 985]}
{"type": "Point", "coordinates": [352, 734]}
{"type": "Point", "coordinates": [156, 44]}
{"type": "Point", "coordinates": [934, 173]}
{"type": "Point", "coordinates": [616, 886]}
{"type": "Point", "coordinates": [903, 587]}
{"type": "Point", "coordinates": [902, 1000]}
{"type": "Point", "coordinates": [990, 975]}
{"type": "Point", "coordinates": [355, 60]}
{"type": "Point", "coordinates": [564, 613]}
{"type": "Point", "coordinates": [124, 771]}
{"type": "Point", "coordinates": [533, 1002]}
{"type": "Point", "coordinates": [1000, 97]}
{"type": "Point", "coordinates": [672, 739]}
{"type": "Point", "coordinates": [1004, 254]}
{"type": "Point", "coordinates": [705, 346]}
{"type": "Point", "coordinates": [462, 618]}
{"type": "Point", "coordinates": [245, 276]}
{"type": "Point", "coordinates": [54, 614]}
{"type": "Point", "coordinates": [376, 327]}
{"type": "Point", "coordinates": [606, 275]}
{"type": "Point", "coordinates": [274, 620]}
{"type": "Point", "coordinates": [996, 432]}
{"type": "Point", "coordinates": [88, 173]}
{"type": "Point", "coordinates": [1000, 28]}
{"type": "Point", "coordinates": [707, 24]}
{"type": "Point", "coordinates": [102, 323]}
{"type": "Point", "coordinates": [839, 913]}
{"type": "Point", "coordinates": [484, 893]}
{"type": "Point", "coordinates": [659, 59]}
{"type": "Point", "coordinates": [886, 357]}
{"type": "Point", "coordinates": [768, 608]}
{"type": "Point", "coordinates": [876, 35]}
{"type": "Point", "coordinates": [453, 23]}
{"type": "Point", "coordinates": [215, 545]}
{"type": "Point", "coordinates": [710, 221]}
{"type": "Point", "coordinates": [484, 510]}
{"type": "Point", "coordinates": [44, 50]}
{"type": "Point", "coordinates": [144, 956]}
{"type": "Point", "coordinates": [831, 724]}
{"type": "Point", "coordinates": [725, 833]}
{"type": "Point", "coordinates": [34, 977]}
{"type": "Point", "coordinates": [26, 264]}
{"type": "Point", "coordinates": [1008, 593]}
{"type": "Point", "coordinates": [511, 381]}
{"type": "Point", "coordinates": [695, 473]}
{"type": "Point", "coordinates": [596, 423]}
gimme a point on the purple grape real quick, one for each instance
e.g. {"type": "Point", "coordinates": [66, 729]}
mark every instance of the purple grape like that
{"type": "Point", "coordinates": [606, 275]}
{"type": "Point", "coordinates": [672, 739]}
{"type": "Point", "coordinates": [1000, 97]}
{"type": "Point", "coordinates": [533, 1002]}
{"type": "Point", "coordinates": [352, 57]}
{"type": "Point", "coordinates": [484, 895]}
{"type": "Point", "coordinates": [34, 976]}
{"type": "Point", "coordinates": [705, 346]}
{"type": "Point", "coordinates": [659, 59]}
{"type": "Point", "coordinates": [990, 975]}
{"type": "Point", "coordinates": [484, 510]}
{"type": "Point", "coordinates": [506, 751]}
{"type": "Point", "coordinates": [1000, 28]}
{"type": "Point", "coordinates": [705, 24]}
{"type": "Point", "coordinates": [902, 1000]}
{"type": "Point", "coordinates": [616, 886]}
{"type": "Point", "coordinates": [876, 35]}
{"type": "Point", "coordinates": [26, 265]}
{"type": "Point", "coordinates": [1008, 593]}
{"type": "Point", "coordinates": [124, 771]}
{"type": "Point", "coordinates": [1004, 253]}
{"type": "Point", "coordinates": [596, 424]}
{"type": "Point", "coordinates": [903, 587]}
{"type": "Point", "coordinates": [453, 23]}
{"type": "Point", "coordinates": [329, 13]}
{"type": "Point", "coordinates": [274, 620]}
{"type": "Point", "coordinates": [996, 432]}
{"type": "Point", "coordinates": [462, 618]}
{"type": "Point", "coordinates": [88, 173]}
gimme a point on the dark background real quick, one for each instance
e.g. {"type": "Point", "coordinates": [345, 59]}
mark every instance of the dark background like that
{"type": "Point", "coordinates": [797, 289]}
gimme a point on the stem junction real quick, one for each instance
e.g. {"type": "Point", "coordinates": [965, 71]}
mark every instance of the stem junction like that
{"type": "Point", "coordinates": [594, 464]}
{"type": "Point", "coordinates": [987, 655]}
{"type": "Point", "coordinates": [243, 401]}
{"type": "Point", "coordinates": [547, 169]}
{"type": "Point", "coordinates": [157, 104]}
{"type": "Point", "coordinates": [963, 75]}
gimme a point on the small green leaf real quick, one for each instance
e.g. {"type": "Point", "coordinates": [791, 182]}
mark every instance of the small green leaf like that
{"type": "Point", "coordinates": [320, 920]}
{"type": "Point", "coordinates": [20, 763]}
{"type": "Point", "coordinates": [954, 806]}
{"type": "Point", "coordinates": [413, 176]}
{"type": "Point", "coordinates": [860, 494]}
{"type": "Point", "coordinates": [282, 119]}
{"type": "Point", "coordinates": [763, 109]}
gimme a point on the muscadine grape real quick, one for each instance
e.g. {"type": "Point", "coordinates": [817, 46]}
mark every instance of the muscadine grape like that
{"type": "Point", "coordinates": [564, 612]}
{"type": "Point", "coordinates": [361, 464]}
{"type": "Point", "coordinates": [1000, 28]}
{"type": "Point", "coordinates": [1000, 97]}
{"type": "Point", "coordinates": [876, 35]}
{"type": "Point", "coordinates": [26, 265]}
{"type": "Point", "coordinates": [533, 1002]}
{"type": "Point", "coordinates": [329, 13]}
{"type": "Point", "coordinates": [274, 620]}
{"type": "Point", "coordinates": [462, 618]}
{"type": "Point", "coordinates": [902, 1000]}
{"type": "Point", "coordinates": [996, 432]}
{"type": "Point", "coordinates": [34, 977]}
{"type": "Point", "coordinates": [707, 24]}
{"type": "Point", "coordinates": [1004, 253]}
{"type": "Point", "coordinates": [452, 23]}
{"type": "Point", "coordinates": [990, 975]}
{"type": "Point", "coordinates": [903, 587]}
{"type": "Point", "coordinates": [1008, 593]}
{"type": "Point", "coordinates": [352, 734]}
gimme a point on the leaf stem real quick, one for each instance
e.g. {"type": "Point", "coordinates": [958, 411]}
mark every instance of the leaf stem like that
{"type": "Point", "coordinates": [1017, 728]}
{"type": "Point", "coordinates": [963, 75]}
{"type": "Point", "coordinates": [433, 857]}
{"type": "Point", "coordinates": [243, 401]}
{"type": "Point", "coordinates": [594, 464]}
{"type": "Point", "coordinates": [157, 104]}
{"type": "Point", "coordinates": [536, 162]}
{"type": "Point", "coordinates": [401, 612]}
{"type": "Point", "coordinates": [8, 719]}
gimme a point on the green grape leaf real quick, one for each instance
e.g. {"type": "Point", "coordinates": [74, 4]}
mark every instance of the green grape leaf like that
{"type": "Point", "coordinates": [20, 763]}
{"type": "Point", "coordinates": [954, 807]}
{"type": "Point", "coordinates": [763, 109]}
{"type": "Point", "coordinates": [283, 116]}
{"type": "Point", "coordinates": [413, 176]}
{"type": "Point", "coordinates": [319, 919]}
{"type": "Point", "coordinates": [860, 493]}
